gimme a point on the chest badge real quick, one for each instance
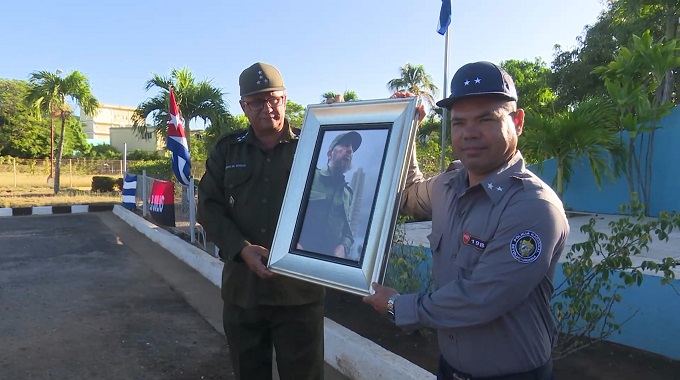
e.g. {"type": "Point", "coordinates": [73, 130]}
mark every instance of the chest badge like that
{"type": "Point", "coordinates": [473, 241]}
{"type": "Point", "coordinates": [231, 201]}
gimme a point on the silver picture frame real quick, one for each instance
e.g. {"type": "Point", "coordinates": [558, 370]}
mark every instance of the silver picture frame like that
{"type": "Point", "coordinates": [370, 197]}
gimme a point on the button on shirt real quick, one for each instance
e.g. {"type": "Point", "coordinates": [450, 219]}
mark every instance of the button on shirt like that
{"type": "Point", "coordinates": [495, 247]}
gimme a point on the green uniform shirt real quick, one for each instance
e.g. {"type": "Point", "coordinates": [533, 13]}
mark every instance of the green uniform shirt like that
{"type": "Point", "coordinates": [326, 223]}
{"type": "Point", "coordinates": [239, 200]}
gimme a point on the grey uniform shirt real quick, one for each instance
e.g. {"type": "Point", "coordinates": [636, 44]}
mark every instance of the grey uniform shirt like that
{"type": "Point", "coordinates": [495, 247]}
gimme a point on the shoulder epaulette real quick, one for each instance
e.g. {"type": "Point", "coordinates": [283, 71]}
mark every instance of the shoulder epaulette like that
{"type": "Point", "coordinates": [529, 182]}
{"type": "Point", "coordinates": [233, 136]}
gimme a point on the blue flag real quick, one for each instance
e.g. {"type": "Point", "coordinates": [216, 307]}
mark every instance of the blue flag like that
{"type": "Point", "coordinates": [129, 191]}
{"type": "Point", "coordinates": [444, 17]}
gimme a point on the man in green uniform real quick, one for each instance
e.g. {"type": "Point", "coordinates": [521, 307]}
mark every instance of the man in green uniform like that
{"type": "Point", "coordinates": [239, 200]}
{"type": "Point", "coordinates": [326, 227]}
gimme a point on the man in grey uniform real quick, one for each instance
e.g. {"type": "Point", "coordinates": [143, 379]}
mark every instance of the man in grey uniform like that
{"type": "Point", "coordinates": [497, 234]}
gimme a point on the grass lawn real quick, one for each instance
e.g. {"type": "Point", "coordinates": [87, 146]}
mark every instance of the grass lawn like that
{"type": "Point", "coordinates": [26, 190]}
{"type": "Point", "coordinates": [28, 197]}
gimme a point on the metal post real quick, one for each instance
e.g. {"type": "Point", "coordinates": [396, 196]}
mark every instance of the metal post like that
{"type": "Point", "coordinates": [445, 113]}
{"type": "Point", "coordinates": [192, 209]}
{"type": "Point", "coordinates": [145, 200]}
{"type": "Point", "coordinates": [14, 163]}
{"type": "Point", "coordinates": [70, 172]}
{"type": "Point", "coordinates": [124, 159]}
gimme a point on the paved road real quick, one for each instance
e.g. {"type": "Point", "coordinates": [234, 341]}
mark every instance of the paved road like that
{"type": "Point", "coordinates": [78, 300]}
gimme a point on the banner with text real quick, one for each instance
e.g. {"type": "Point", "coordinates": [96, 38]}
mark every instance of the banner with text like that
{"type": "Point", "coordinates": [162, 203]}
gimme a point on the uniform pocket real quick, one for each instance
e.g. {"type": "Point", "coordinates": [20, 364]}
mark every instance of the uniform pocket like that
{"type": "Point", "coordinates": [467, 258]}
{"type": "Point", "coordinates": [435, 239]}
{"type": "Point", "coordinates": [236, 185]}
{"type": "Point", "coordinates": [235, 177]}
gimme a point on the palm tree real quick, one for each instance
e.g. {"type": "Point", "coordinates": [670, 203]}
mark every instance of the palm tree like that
{"type": "Point", "coordinates": [48, 94]}
{"type": "Point", "coordinates": [194, 99]}
{"type": "Point", "coordinates": [415, 80]}
{"type": "Point", "coordinates": [347, 96]}
{"type": "Point", "coordinates": [589, 130]}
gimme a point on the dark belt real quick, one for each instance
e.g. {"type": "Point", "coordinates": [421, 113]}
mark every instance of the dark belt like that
{"type": "Point", "coordinates": [447, 372]}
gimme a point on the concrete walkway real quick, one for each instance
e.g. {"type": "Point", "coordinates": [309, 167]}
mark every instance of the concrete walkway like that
{"type": "Point", "coordinates": [87, 297]}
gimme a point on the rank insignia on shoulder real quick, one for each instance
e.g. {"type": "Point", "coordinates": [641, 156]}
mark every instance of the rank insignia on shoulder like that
{"type": "Point", "coordinates": [243, 136]}
{"type": "Point", "coordinates": [231, 201]}
{"type": "Point", "coordinates": [474, 241]}
{"type": "Point", "coordinates": [526, 247]}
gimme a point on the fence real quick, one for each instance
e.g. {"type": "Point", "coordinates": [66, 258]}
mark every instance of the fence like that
{"type": "Point", "coordinates": [185, 199]}
{"type": "Point", "coordinates": [75, 166]}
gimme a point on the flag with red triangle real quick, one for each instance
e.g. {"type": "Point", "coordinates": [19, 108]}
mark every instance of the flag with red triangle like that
{"type": "Point", "coordinates": [177, 142]}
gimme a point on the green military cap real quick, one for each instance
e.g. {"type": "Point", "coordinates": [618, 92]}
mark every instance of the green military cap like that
{"type": "Point", "coordinates": [353, 138]}
{"type": "Point", "coordinates": [260, 77]}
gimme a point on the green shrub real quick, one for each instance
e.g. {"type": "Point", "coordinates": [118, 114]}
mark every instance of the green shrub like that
{"type": "Point", "coordinates": [104, 184]}
{"type": "Point", "coordinates": [160, 169]}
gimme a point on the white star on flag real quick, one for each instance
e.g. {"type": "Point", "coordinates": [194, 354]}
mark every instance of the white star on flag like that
{"type": "Point", "coordinates": [178, 123]}
{"type": "Point", "coordinates": [478, 80]}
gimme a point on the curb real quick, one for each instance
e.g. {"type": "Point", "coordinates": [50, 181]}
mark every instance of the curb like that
{"type": "Point", "coordinates": [351, 354]}
{"type": "Point", "coordinates": [47, 210]}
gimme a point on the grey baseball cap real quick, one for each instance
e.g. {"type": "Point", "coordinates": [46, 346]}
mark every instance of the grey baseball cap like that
{"type": "Point", "coordinates": [260, 77]}
{"type": "Point", "coordinates": [480, 79]}
{"type": "Point", "coordinates": [353, 138]}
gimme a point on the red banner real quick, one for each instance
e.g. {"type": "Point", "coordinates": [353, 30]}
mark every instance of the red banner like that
{"type": "Point", "coordinates": [162, 203]}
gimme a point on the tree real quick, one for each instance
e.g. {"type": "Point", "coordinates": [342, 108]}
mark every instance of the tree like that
{"type": "Point", "coordinates": [48, 95]}
{"type": "Point", "coordinates": [573, 78]}
{"type": "Point", "coordinates": [195, 100]}
{"type": "Point", "coordinates": [635, 81]}
{"type": "Point", "coordinates": [589, 131]}
{"type": "Point", "coordinates": [22, 133]}
{"type": "Point", "coordinates": [415, 80]}
{"type": "Point", "coordinates": [532, 83]}
{"type": "Point", "coordinates": [104, 152]}
{"type": "Point", "coordinates": [75, 141]}
{"type": "Point", "coordinates": [347, 96]}
{"type": "Point", "coordinates": [295, 113]}
{"type": "Point", "coordinates": [220, 126]}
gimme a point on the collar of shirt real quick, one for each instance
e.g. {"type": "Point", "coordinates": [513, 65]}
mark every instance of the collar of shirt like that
{"type": "Point", "coordinates": [326, 172]}
{"type": "Point", "coordinates": [287, 135]}
{"type": "Point", "coordinates": [495, 184]}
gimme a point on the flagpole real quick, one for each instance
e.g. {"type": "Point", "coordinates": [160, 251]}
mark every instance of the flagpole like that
{"type": "Point", "coordinates": [445, 112]}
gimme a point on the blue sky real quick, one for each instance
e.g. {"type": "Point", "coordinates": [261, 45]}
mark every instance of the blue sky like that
{"type": "Point", "coordinates": [318, 46]}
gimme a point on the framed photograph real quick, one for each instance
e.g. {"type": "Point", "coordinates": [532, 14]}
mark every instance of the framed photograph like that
{"type": "Point", "coordinates": [342, 199]}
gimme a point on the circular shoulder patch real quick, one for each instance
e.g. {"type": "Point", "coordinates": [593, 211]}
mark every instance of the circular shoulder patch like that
{"type": "Point", "coordinates": [526, 247]}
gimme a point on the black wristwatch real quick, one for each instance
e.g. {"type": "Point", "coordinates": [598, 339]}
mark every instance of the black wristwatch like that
{"type": "Point", "coordinates": [390, 306]}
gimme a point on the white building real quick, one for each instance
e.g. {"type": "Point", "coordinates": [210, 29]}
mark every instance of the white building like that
{"type": "Point", "coordinates": [112, 124]}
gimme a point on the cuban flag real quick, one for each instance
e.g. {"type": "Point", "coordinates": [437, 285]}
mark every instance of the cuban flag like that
{"type": "Point", "coordinates": [444, 17]}
{"type": "Point", "coordinates": [177, 143]}
{"type": "Point", "coordinates": [129, 190]}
